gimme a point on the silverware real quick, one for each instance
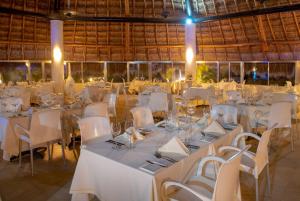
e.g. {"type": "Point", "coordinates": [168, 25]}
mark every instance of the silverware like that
{"type": "Point", "coordinates": [158, 155]}
{"type": "Point", "coordinates": [157, 163]}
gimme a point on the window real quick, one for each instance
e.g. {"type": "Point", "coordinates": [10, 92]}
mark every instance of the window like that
{"type": "Point", "coordinates": [256, 73]}
{"type": "Point", "coordinates": [13, 71]}
{"type": "Point", "coordinates": [235, 72]}
{"type": "Point", "coordinates": [116, 71]}
{"type": "Point", "coordinates": [92, 70]}
{"type": "Point", "coordinates": [224, 71]}
{"type": "Point", "coordinates": [281, 72]}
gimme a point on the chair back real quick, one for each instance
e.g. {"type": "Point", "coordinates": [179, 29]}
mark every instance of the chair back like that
{"type": "Point", "coordinates": [262, 154]}
{"type": "Point", "coordinates": [234, 95]}
{"type": "Point", "coordinates": [227, 182]}
{"type": "Point", "coordinates": [92, 127]}
{"type": "Point", "coordinates": [111, 100]}
{"type": "Point", "coordinates": [229, 113]}
{"type": "Point", "coordinates": [280, 114]}
{"type": "Point", "coordinates": [158, 102]}
{"type": "Point", "coordinates": [96, 109]}
{"type": "Point", "coordinates": [142, 117]}
{"type": "Point", "coordinates": [45, 126]}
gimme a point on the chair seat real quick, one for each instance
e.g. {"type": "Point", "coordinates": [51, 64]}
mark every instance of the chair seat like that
{"type": "Point", "coordinates": [200, 184]}
{"type": "Point", "coordinates": [247, 164]}
{"type": "Point", "coordinates": [25, 138]}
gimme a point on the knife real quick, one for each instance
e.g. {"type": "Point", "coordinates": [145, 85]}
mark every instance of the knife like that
{"type": "Point", "coordinates": [157, 163]}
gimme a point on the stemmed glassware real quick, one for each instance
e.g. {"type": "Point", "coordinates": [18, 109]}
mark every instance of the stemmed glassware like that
{"type": "Point", "coordinates": [257, 116]}
{"type": "Point", "coordinates": [116, 131]}
{"type": "Point", "coordinates": [220, 116]}
{"type": "Point", "coordinates": [129, 129]}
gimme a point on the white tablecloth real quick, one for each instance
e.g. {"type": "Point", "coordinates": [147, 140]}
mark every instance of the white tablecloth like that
{"type": "Point", "coordinates": [114, 175]}
{"type": "Point", "coordinates": [8, 139]}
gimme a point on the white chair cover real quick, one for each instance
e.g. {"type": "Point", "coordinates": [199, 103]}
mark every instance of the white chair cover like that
{"type": "Point", "coordinates": [45, 127]}
{"type": "Point", "coordinates": [280, 114]}
{"type": "Point", "coordinates": [111, 100]}
{"type": "Point", "coordinates": [229, 113]}
{"type": "Point", "coordinates": [92, 127]}
{"type": "Point", "coordinates": [142, 117]}
{"type": "Point", "coordinates": [158, 102]}
{"type": "Point", "coordinates": [96, 109]}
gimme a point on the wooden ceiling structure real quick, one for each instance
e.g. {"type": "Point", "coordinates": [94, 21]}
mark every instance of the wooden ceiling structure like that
{"type": "Point", "coordinates": [271, 37]}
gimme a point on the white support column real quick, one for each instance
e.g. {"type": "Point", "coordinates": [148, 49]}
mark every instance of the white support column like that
{"type": "Point", "coordinates": [81, 72]}
{"type": "Point", "coordinates": [69, 70]}
{"type": "Point", "coordinates": [105, 71]}
{"type": "Point", "coordinates": [297, 72]}
{"type": "Point", "coordinates": [190, 50]}
{"type": "Point", "coordinates": [218, 71]}
{"type": "Point", "coordinates": [128, 71]}
{"type": "Point", "coordinates": [242, 72]}
{"type": "Point", "coordinates": [43, 72]}
{"type": "Point", "coordinates": [57, 52]}
{"type": "Point", "coordinates": [229, 72]}
{"type": "Point", "coordinates": [138, 69]}
{"type": "Point", "coordinates": [28, 76]}
{"type": "Point", "coordinates": [150, 71]}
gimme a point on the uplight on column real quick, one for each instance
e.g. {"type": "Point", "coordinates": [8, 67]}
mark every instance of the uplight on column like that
{"type": "Point", "coordinates": [57, 55]}
{"type": "Point", "coordinates": [189, 55]}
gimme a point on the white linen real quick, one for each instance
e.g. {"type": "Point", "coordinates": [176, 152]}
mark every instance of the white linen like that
{"type": "Point", "coordinates": [121, 177]}
{"type": "Point", "coordinates": [174, 148]}
{"type": "Point", "coordinates": [215, 127]}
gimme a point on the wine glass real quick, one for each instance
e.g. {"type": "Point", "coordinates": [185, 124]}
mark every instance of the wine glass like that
{"type": "Point", "coordinates": [129, 129]}
{"type": "Point", "coordinates": [116, 130]}
{"type": "Point", "coordinates": [257, 116]}
{"type": "Point", "coordinates": [220, 116]}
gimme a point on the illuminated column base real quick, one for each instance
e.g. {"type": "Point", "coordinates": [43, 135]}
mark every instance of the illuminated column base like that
{"type": "Point", "coordinates": [57, 52]}
{"type": "Point", "coordinates": [190, 48]}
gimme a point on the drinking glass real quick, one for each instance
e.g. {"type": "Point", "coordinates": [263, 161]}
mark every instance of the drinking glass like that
{"type": "Point", "coordinates": [116, 130]}
{"type": "Point", "coordinates": [129, 129]}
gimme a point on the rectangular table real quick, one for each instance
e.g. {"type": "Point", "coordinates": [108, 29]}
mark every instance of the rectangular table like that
{"type": "Point", "coordinates": [114, 175]}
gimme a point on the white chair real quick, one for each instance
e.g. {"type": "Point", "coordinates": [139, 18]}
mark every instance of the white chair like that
{"type": "Point", "coordinates": [281, 115]}
{"type": "Point", "coordinates": [96, 109]}
{"type": "Point", "coordinates": [253, 163]}
{"type": "Point", "coordinates": [93, 127]}
{"type": "Point", "coordinates": [111, 100]}
{"type": "Point", "coordinates": [45, 128]}
{"type": "Point", "coordinates": [223, 188]}
{"type": "Point", "coordinates": [142, 117]}
{"type": "Point", "coordinates": [158, 102]}
{"type": "Point", "coordinates": [233, 95]}
{"type": "Point", "coordinates": [228, 112]}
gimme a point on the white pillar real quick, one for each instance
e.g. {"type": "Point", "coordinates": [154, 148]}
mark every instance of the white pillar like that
{"type": "Point", "coordinates": [105, 71]}
{"type": "Point", "coordinates": [43, 72]}
{"type": "Point", "coordinates": [81, 71]}
{"type": "Point", "coordinates": [150, 71]}
{"type": "Point", "coordinates": [242, 72]}
{"type": "Point", "coordinates": [57, 53]}
{"type": "Point", "coordinates": [28, 65]}
{"type": "Point", "coordinates": [69, 70]}
{"type": "Point", "coordinates": [190, 50]}
{"type": "Point", "coordinates": [297, 72]}
{"type": "Point", "coordinates": [128, 71]}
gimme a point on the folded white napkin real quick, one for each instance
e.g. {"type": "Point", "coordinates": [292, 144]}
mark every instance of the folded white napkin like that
{"type": "Point", "coordinates": [215, 127]}
{"type": "Point", "coordinates": [174, 148]}
{"type": "Point", "coordinates": [203, 122]}
{"type": "Point", "coordinates": [135, 136]}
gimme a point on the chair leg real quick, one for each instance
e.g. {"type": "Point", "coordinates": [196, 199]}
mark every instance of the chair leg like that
{"type": "Point", "coordinates": [256, 189]}
{"type": "Point", "coordinates": [292, 139]}
{"type": "Point", "coordinates": [52, 148]}
{"type": "Point", "coordinates": [63, 150]}
{"type": "Point", "coordinates": [268, 178]}
{"type": "Point", "coordinates": [31, 160]}
{"type": "Point", "coordinates": [20, 153]}
{"type": "Point", "coordinates": [48, 149]}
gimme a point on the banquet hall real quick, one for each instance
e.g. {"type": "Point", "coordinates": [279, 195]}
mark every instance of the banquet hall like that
{"type": "Point", "coordinates": [149, 100]}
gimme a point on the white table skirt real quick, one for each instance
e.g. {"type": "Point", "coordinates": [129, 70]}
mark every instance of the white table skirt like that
{"type": "Point", "coordinates": [8, 139]}
{"type": "Point", "coordinates": [114, 175]}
